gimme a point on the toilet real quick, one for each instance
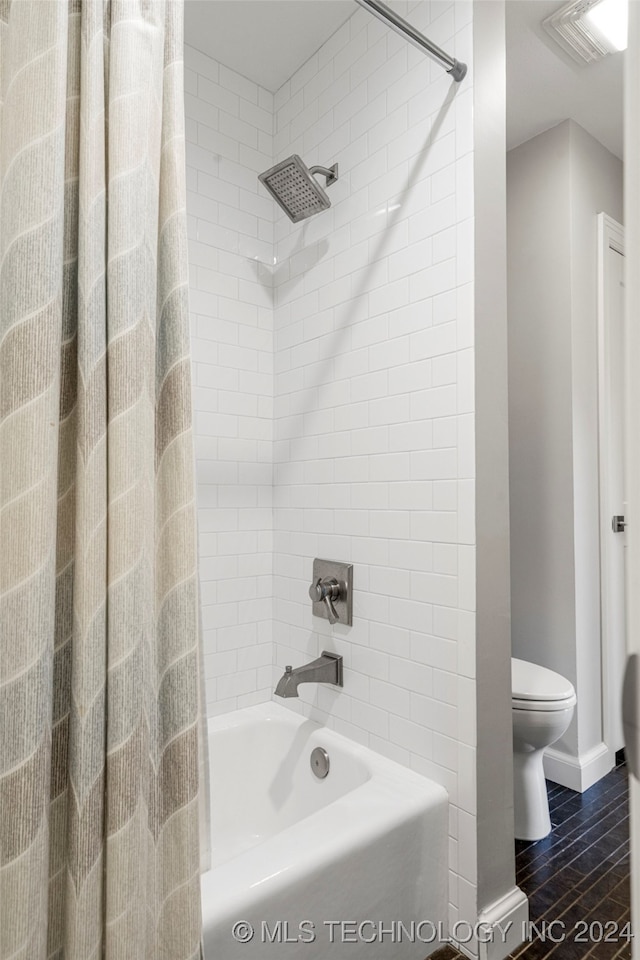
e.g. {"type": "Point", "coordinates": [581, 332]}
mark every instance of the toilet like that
{"type": "Point", "coordinates": [542, 707]}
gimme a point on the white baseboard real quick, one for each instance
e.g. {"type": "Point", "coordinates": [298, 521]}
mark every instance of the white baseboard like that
{"type": "Point", "coordinates": [502, 925]}
{"type": "Point", "coordinates": [578, 773]}
{"type": "Point", "coordinates": [499, 930]}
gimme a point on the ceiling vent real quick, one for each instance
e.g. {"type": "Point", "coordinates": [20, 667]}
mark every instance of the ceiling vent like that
{"type": "Point", "coordinates": [570, 27]}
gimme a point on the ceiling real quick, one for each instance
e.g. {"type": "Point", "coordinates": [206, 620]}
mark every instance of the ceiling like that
{"type": "Point", "coordinates": [545, 86]}
{"type": "Point", "coordinates": [267, 40]}
{"type": "Point", "coordinates": [264, 40]}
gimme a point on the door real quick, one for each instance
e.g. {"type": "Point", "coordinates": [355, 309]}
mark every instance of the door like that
{"type": "Point", "coordinates": [611, 344]}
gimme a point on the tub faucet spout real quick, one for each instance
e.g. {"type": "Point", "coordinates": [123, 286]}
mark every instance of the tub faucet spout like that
{"type": "Point", "coordinates": [326, 669]}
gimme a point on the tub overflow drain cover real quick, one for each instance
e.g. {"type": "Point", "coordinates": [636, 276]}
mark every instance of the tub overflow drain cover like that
{"type": "Point", "coordinates": [320, 762]}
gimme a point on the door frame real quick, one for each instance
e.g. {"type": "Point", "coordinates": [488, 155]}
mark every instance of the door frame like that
{"type": "Point", "coordinates": [610, 237]}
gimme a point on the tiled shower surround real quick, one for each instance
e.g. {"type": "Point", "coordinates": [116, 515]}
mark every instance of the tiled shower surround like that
{"type": "Point", "coordinates": [334, 393]}
{"type": "Point", "coordinates": [229, 140]}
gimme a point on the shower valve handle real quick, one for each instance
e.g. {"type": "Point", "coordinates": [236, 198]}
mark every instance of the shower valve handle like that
{"type": "Point", "coordinates": [326, 590]}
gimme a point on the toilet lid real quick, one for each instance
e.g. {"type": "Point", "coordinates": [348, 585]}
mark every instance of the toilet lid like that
{"type": "Point", "coordinates": [532, 682]}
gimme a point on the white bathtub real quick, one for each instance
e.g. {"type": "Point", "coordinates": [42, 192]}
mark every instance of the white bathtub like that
{"type": "Point", "coordinates": [351, 866]}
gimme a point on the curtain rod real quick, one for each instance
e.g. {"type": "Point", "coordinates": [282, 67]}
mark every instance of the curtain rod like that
{"type": "Point", "coordinates": [454, 67]}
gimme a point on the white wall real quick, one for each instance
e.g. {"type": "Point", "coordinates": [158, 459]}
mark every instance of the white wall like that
{"type": "Point", "coordinates": [557, 184]}
{"type": "Point", "coordinates": [229, 139]}
{"type": "Point", "coordinates": [540, 428]}
{"type": "Point", "coordinates": [499, 900]}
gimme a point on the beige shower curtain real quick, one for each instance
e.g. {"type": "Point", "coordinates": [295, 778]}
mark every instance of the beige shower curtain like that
{"type": "Point", "coordinates": [99, 690]}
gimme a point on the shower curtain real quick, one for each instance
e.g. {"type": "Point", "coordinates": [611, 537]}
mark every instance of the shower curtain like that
{"type": "Point", "coordinates": [99, 682]}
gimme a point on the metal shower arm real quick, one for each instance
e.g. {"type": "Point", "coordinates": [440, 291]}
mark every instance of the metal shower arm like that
{"type": "Point", "coordinates": [329, 173]}
{"type": "Point", "coordinates": [454, 67]}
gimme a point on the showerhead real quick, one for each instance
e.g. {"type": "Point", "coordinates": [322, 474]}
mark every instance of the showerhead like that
{"type": "Point", "coordinates": [291, 184]}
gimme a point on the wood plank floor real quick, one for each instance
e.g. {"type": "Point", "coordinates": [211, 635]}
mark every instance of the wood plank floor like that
{"type": "Point", "coordinates": [579, 874]}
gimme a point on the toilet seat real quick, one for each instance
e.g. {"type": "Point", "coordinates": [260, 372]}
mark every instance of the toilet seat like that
{"type": "Point", "coordinates": [542, 706]}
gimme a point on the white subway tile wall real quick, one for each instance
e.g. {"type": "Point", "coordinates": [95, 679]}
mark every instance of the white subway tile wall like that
{"type": "Point", "coordinates": [229, 140]}
{"type": "Point", "coordinates": [373, 451]}
{"type": "Point", "coordinates": [364, 434]}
